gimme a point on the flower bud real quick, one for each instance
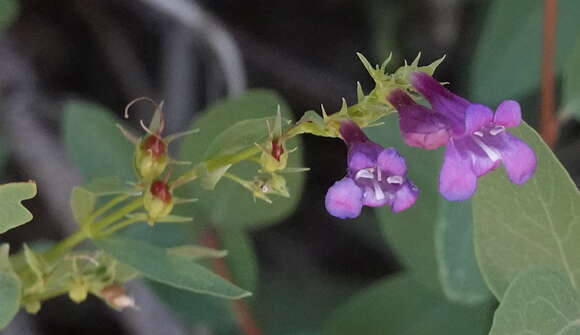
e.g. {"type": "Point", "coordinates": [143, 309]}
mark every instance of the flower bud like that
{"type": "Point", "coordinates": [32, 307]}
{"type": "Point", "coordinates": [274, 155]}
{"type": "Point", "coordinates": [151, 157]}
{"type": "Point", "coordinates": [158, 200]}
{"type": "Point", "coordinates": [78, 292]}
{"type": "Point", "coordinates": [115, 296]}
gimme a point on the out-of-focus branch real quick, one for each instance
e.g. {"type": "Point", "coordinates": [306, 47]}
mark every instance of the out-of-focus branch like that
{"type": "Point", "coordinates": [118, 50]}
{"type": "Point", "coordinates": [548, 122]}
{"type": "Point", "coordinates": [207, 27]}
{"type": "Point", "coordinates": [291, 75]}
{"type": "Point", "coordinates": [32, 146]}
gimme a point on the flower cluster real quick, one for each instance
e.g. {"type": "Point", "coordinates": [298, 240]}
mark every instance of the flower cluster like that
{"type": "Point", "coordinates": [476, 143]}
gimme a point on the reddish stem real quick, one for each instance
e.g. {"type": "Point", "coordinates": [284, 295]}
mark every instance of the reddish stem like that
{"type": "Point", "coordinates": [548, 123]}
{"type": "Point", "coordinates": [241, 309]}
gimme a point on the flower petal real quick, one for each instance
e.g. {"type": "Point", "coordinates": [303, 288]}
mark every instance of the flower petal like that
{"type": "Point", "coordinates": [420, 126]}
{"type": "Point", "coordinates": [508, 114]}
{"type": "Point", "coordinates": [477, 117]}
{"type": "Point", "coordinates": [344, 199]}
{"type": "Point", "coordinates": [481, 162]}
{"type": "Point", "coordinates": [351, 132]}
{"type": "Point", "coordinates": [405, 197]}
{"type": "Point", "coordinates": [375, 197]}
{"type": "Point", "coordinates": [359, 160]}
{"type": "Point", "coordinates": [392, 163]}
{"type": "Point", "coordinates": [518, 159]}
{"type": "Point", "coordinates": [441, 99]}
{"type": "Point", "coordinates": [457, 180]}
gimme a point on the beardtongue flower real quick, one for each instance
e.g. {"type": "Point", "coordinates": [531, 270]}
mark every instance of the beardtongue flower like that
{"type": "Point", "coordinates": [376, 176]}
{"type": "Point", "coordinates": [476, 138]}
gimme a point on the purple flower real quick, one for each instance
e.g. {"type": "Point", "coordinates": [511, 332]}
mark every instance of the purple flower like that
{"type": "Point", "coordinates": [376, 176]}
{"type": "Point", "coordinates": [476, 138]}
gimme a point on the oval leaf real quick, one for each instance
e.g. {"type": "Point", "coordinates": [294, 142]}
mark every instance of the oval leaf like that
{"type": "Point", "coordinates": [164, 266]}
{"type": "Point", "coordinates": [538, 302]}
{"type": "Point", "coordinates": [535, 224]}
{"type": "Point", "coordinates": [95, 144]}
{"type": "Point", "coordinates": [10, 287]}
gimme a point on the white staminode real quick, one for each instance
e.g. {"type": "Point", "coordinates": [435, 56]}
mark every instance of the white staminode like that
{"type": "Point", "coordinates": [395, 180]}
{"type": "Point", "coordinates": [493, 154]}
{"type": "Point", "coordinates": [368, 173]}
{"type": "Point", "coordinates": [496, 130]}
{"type": "Point", "coordinates": [379, 195]}
{"type": "Point", "coordinates": [478, 133]}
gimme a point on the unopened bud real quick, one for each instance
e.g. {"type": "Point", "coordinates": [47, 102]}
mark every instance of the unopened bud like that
{"type": "Point", "coordinates": [78, 292]}
{"type": "Point", "coordinates": [151, 158]}
{"type": "Point", "coordinates": [274, 156]}
{"type": "Point", "coordinates": [115, 296]}
{"type": "Point", "coordinates": [158, 200]}
{"type": "Point", "coordinates": [32, 307]}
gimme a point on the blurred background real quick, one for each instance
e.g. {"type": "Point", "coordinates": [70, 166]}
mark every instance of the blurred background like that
{"type": "Point", "coordinates": [192, 53]}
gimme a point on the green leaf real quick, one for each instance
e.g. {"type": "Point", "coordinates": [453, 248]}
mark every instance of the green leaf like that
{"type": "Point", "coordinates": [538, 302]}
{"type": "Point", "coordinates": [12, 212]}
{"type": "Point", "coordinates": [241, 258]}
{"type": "Point", "coordinates": [8, 11]}
{"type": "Point", "coordinates": [195, 252]}
{"type": "Point", "coordinates": [82, 203]}
{"type": "Point", "coordinates": [95, 144]}
{"type": "Point", "coordinates": [507, 59]}
{"type": "Point", "coordinates": [433, 238]}
{"type": "Point", "coordinates": [229, 203]}
{"type": "Point", "coordinates": [460, 277]}
{"type": "Point", "coordinates": [241, 135]}
{"type": "Point", "coordinates": [35, 264]}
{"type": "Point", "coordinates": [535, 224]}
{"type": "Point", "coordinates": [402, 306]}
{"type": "Point", "coordinates": [10, 287]}
{"type": "Point", "coordinates": [161, 265]}
{"type": "Point", "coordinates": [571, 84]}
{"type": "Point", "coordinates": [109, 186]}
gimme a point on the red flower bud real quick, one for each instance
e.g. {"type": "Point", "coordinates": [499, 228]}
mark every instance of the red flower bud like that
{"type": "Point", "coordinates": [160, 190]}
{"type": "Point", "coordinates": [155, 145]}
{"type": "Point", "coordinates": [277, 149]}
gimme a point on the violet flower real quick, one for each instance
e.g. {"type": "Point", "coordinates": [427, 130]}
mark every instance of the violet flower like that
{"type": "Point", "coordinates": [376, 176]}
{"type": "Point", "coordinates": [476, 138]}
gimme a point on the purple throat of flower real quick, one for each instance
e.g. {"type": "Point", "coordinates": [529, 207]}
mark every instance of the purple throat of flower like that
{"type": "Point", "coordinates": [475, 137]}
{"type": "Point", "coordinates": [376, 176]}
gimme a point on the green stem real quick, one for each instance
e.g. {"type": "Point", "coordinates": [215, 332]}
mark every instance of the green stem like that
{"type": "Point", "coordinates": [117, 215]}
{"type": "Point", "coordinates": [119, 225]}
{"type": "Point", "coordinates": [106, 207]}
{"type": "Point", "coordinates": [65, 245]}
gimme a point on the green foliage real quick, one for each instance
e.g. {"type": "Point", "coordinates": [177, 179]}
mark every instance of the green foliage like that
{"type": "Point", "coordinates": [82, 203]}
{"type": "Point", "coordinates": [571, 84]}
{"type": "Point", "coordinates": [94, 144]}
{"type": "Point", "coordinates": [507, 59]}
{"type": "Point", "coordinates": [433, 238]}
{"type": "Point", "coordinates": [10, 287]}
{"type": "Point", "coordinates": [229, 203]}
{"type": "Point", "coordinates": [12, 212]}
{"type": "Point", "coordinates": [402, 306]}
{"type": "Point", "coordinates": [241, 258]}
{"type": "Point", "coordinates": [8, 11]}
{"type": "Point", "coordinates": [163, 266]}
{"type": "Point", "coordinates": [538, 302]}
{"type": "Point", "coordinates": [532, 225]}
